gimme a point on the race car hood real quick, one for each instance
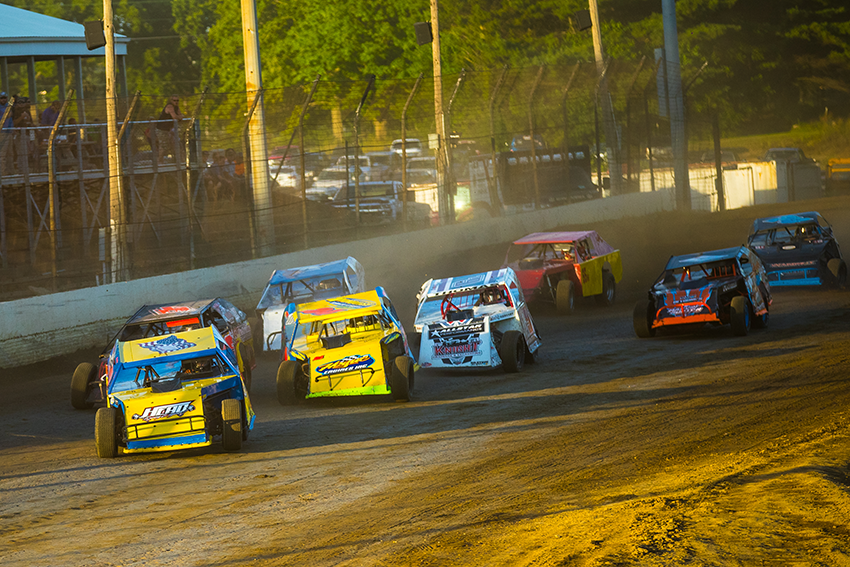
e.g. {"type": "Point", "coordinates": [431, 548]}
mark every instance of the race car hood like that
{"type": "Point", "coordinates": [458, 344]}
{"type": "Point", "coordinates": [693, 304]}
{"type": "Point", "coordinates": [169, 413]}
{"type": "Point", "coordinates": [355, 368]}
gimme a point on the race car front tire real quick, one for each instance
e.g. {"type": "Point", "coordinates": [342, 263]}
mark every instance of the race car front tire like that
{"type": "Point", "coordinates": [401, 378]}
{"type": "Point", "coordinates": [641, 320]}
{"type": "Point", "coordinates": [740, 316]}
{"type": "Point", "coordinates": [838, 268]}
{"type": "Point", "coordinates": [287, 374]}
{"type": "Point", "coordinates": [414, 341]}
{"type": "Point", "coordinates": [609, 290]}
{"type": "Point", "coordinates": [84, 374]}
{"type": "Point", "coordinates": [105, 434]}
{"type": "Point", "coordinates": [512, 351]}
{"type": "Point", "coordinates": [231, 425]}
{"type": "Point", "coordinates": [246, 367]}
{"type": "Point", "coordinates": [565, 297]}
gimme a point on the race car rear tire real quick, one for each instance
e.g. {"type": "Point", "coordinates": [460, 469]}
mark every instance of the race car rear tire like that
{"type": "Point", "coordinates": [609, 290]}
{"type": "Point", "coordinates": [105, 434]}
{"type": "Point", "coordinates": [401, 378]}
{"type": "Point", "coordinates": [84, 374]}
{"type": "Point", "coordinates": [246, 367]}
{"type": "Point", "coordinates": [231, 424]}
{"type": "Point", "coordinates": [740, 316]}
{"type": "Point", "coordinates": [641, 320]}
{"type": "Point", "coordinates": [512, 350]}
{"type": "Point", "coordinates": [287, 374]}
{"type": "Point", "coordinates": [565, 297]}
{"type": "Point", "coordinates": [838, 268]}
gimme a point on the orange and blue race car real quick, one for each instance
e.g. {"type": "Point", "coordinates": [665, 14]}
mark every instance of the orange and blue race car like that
{"type": "Point", "coordinates": [721, 287]}
{"type": "Point", "coordinates": [88, 384]}
{"type": "Point", "coordinates": [558, 267]}
{"type": "Point", "coordinates": [170, 392]}
{"type": "Point", "coordinates": [353, 345]}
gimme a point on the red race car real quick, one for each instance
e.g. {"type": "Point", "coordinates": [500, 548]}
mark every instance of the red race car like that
{"type": "Point", "coordinates": [557, 267]}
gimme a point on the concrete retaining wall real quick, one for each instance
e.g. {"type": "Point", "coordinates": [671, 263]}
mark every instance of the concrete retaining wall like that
{"type": "Point", "coordinates": [38, 328]}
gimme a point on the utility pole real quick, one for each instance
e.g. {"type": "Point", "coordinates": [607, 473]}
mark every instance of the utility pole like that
{"type": "Point", "coordinates": [264, 216]}
{"type": "Point", "coordinates": [117, 216]}
{"type": "Point", "coordinates": [612, 141]}
{"type": "Point", "coordinates": [676, 104]}
{"type": "Point", "coordinates": [443, 151]}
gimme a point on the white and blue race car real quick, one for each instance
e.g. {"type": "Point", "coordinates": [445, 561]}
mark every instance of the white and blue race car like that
{"type": "Point", "coordinates": [479, 320]}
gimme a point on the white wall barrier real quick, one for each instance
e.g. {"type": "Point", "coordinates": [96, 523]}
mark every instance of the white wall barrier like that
{"type": "Point", "coordinates": [38, 328]}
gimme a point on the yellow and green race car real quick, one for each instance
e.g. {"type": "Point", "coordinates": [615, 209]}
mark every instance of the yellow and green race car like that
{"type": "Point", "coordinates": [173, 392]}
{"type": "Point", "coordinates": [346, 346]}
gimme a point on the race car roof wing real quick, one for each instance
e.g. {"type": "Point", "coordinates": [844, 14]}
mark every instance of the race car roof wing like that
{"type": "Point", "coordinates": [179, 346]}
{"type": "Point", "coordinates": [355, 305]}
{"type": "Point", "coordinates": [309, 272]}
{"type": "Point", "coordinates": [448, 286]}
{"type": "Point", "coordinates": [767, 223]}
{"type": "Point", "coordinates": [702, 257]}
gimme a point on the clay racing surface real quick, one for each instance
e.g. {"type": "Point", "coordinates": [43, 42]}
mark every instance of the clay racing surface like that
{"type": "Point", "coordinates": [700, 449]}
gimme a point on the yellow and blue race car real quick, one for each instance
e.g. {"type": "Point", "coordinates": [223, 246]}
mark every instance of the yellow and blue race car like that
{"type": "Point", "coordinates": [346, 346]}
{"type": "Point", "coordinates": [172, 392]}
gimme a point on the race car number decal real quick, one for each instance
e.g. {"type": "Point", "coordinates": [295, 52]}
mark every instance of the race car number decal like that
{"type": "Point", "coordinates": [166, 411]}
{"type": "Point", "coordinates": [167, 345]}
{"type": "Point", "coordinates": [348, 364]}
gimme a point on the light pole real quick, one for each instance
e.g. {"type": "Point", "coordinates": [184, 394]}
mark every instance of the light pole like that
{"type": "Point", "coordinates": [117, 220]}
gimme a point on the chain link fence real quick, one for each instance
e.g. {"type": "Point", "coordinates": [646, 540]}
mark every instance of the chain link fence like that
{"type": "Point", "coordinates": [520, 139]}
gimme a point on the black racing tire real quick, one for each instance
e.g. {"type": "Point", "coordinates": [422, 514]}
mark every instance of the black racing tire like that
{"type": "Point", "coordinates": [84, 374]}
{"type": "Point", "coordinates": [287, 374]}
{"type": "Point", "coordinates": [609, 290]}
{"type": "Point", "coordinates": [246, 367]}
{"type": "Point", "coordinates": [512, 350]}
{"type": "Point", "coordinates": [740, 316]}
{"type": "Point", "coordinates": [401, 378]}
{"type": "Point", "coordinates": [838, 268]}
{"type": "Point", "coordinates": [565, 297]}
{"type": "Point", "coordinates": [642, 321]}
{"type": "Point", "coordinates": [105, 433]}
{"type": "Point", "coordinates": [231, 425]}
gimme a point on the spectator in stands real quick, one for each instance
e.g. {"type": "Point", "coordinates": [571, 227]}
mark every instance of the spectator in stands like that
{"type": "Point", "coordinates": [166, 129]}
{"type": "Point", "coordinates": [24, 142]}
{"type": "Point", "coordinates": [50, 114]}
{"type": "Point", "coordinates": [220, 184]}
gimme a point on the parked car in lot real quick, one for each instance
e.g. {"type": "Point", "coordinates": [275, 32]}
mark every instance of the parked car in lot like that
{"type": "Point", "coordinates": [348, 346]}
{"type": "Point", "coordinates": [412, 147]}
{"type": "Point", "coordinates": [304, 285]}
{"type": "Point", "coordinates": [479, 320]}
{"type": "Point", "coordinates": [173, 392]}
{"type": "Point", "coordinates": [330, 181]}
{"type": "Point", "coordinates": [721, 287]}
{"type": "Point", "coordinates": [381, 202]}
{"type": "Point", "coordinates": [557, 267]}
{"type": "Point", "coordinates": [371, 169]}
{"type": "Point", "coordinates": [793, 155]}
{"type": "Point", "coordinates": [89, 381]}
{"type": "Point", "coordinates": [798, 250]}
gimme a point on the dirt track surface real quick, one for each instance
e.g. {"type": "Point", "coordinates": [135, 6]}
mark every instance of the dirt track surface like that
{"type": "Point", "coordinates": [701, 449]}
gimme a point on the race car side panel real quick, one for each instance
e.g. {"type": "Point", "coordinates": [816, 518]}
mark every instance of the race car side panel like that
{"type": "Point", "coordinates": [458, 343]}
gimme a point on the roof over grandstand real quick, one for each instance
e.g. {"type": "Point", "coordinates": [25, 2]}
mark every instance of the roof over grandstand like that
{"type": "Point", "coordinates": [25, 34]}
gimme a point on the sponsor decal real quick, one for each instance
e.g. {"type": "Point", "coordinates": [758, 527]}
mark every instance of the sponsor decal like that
{"type": "Point", "coordinates": [689, 296]}
{"type": "Point", "coordinates": [350, 303]}
{"type": "Point", "coordinates": [446, 330]}
{"type": "Point", "coordinates": [351, 363]}
{"type": "Point", "coordinates": [166, 411]}
{"type": "Point", "coordinates": [167, 345]}
{"type": "Point", "coordinates": [457, 349]}
{"type": "Point", "coordinates": [172, 309]}
{"type": "Point", "coordinates": [468, 281]}
{"type": "Point", "coordinates": [794, 264]}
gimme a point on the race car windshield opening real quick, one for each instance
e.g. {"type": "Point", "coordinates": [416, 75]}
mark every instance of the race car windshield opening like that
{"type": "Point", "coordinates": [547, 251]}
{"type": "Point", "coordinates": [697, 276]}
{"type": "Point", "coordinates": [434, 307]}
{"type": "Point", "coordinates": [183, 370]}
